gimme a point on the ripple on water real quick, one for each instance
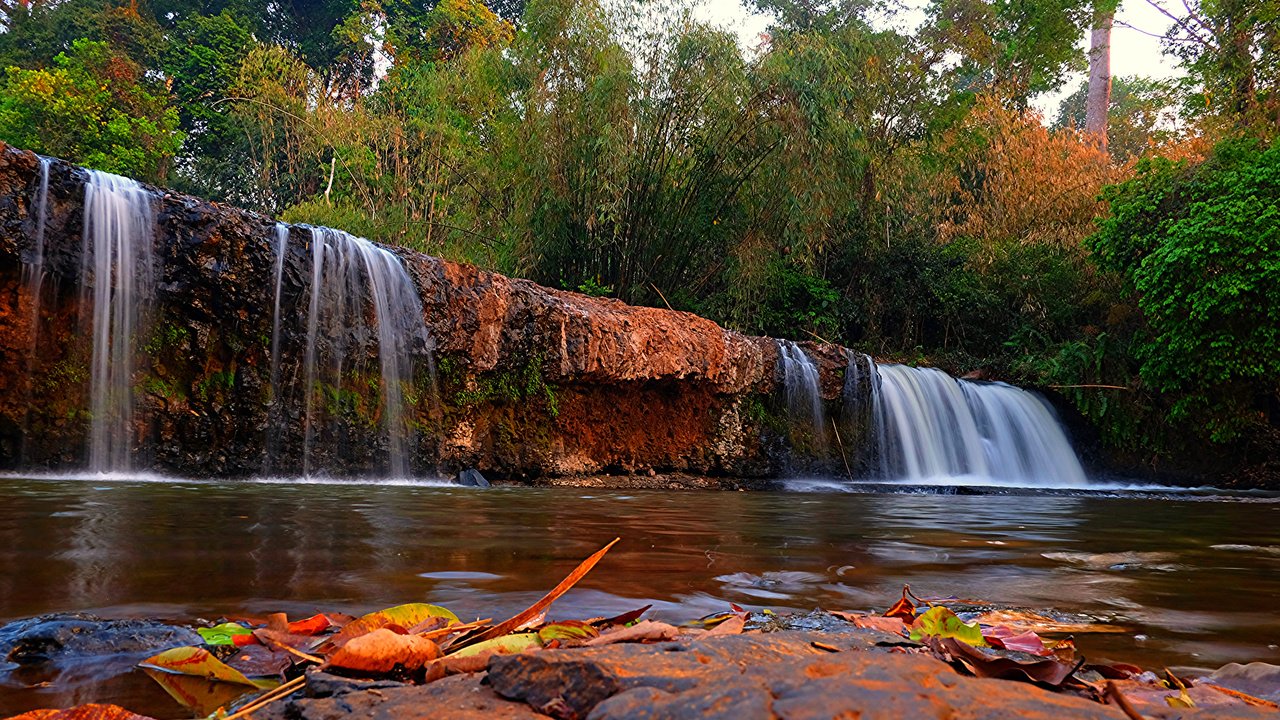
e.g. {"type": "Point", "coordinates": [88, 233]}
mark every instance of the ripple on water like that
{"type": "Point", "coordinates": [1118, 560]}
{"type": "Point", "coordinates": [1272, 550]}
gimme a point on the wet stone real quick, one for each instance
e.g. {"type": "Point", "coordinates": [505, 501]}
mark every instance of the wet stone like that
{"type": "Point", "coordinates": [74, 636]}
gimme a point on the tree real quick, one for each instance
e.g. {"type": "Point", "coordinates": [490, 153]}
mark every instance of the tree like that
{"type": "Point", "coordinates": [1231, 52]}
{"type": "Point", "coordinates": [1098, 100]}
{"type": "Point", "coordinates": [94, 107]}
{"type": "Point", "coordinates": [1012, 48]}
{"type": "Point", "coordinates": [1142, 115]}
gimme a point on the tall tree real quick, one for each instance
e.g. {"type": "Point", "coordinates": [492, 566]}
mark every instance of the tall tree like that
{"type": "Point", "coordinates": [1099, 99]}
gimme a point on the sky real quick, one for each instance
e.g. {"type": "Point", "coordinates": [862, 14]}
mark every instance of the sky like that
{"type": "Point", "coordinates": [1132, 51]}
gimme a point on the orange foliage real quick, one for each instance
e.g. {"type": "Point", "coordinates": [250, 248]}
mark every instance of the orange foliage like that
{"type": "Point", "coordinates": [1020, 182]}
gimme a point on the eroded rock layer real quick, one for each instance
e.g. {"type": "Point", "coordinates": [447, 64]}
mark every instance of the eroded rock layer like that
{"type": "Point", "coordinates": [517, 380]}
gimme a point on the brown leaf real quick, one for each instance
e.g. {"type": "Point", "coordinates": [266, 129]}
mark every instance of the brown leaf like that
{"type": "Point", "coordinates": [730, 626]}
{"type": "Point", "coordinates": [260, 661]}
{"type": "Point", "coordinates": [82, 712]}
{"type": "Point", "coordinates": [279, 622]}
{"type": "Point", "coordinates": [641, 631]}
{"type": "Point", "coordinates": [537, 608]}
{"type": "Point", "coordinates": [273, 638]}
{"type": "Point", "coordinates": [381, 650]}
{"type": "Point", "coordinates": [624, 618]}
{"type": "Point", "coordinates": [982, 664]}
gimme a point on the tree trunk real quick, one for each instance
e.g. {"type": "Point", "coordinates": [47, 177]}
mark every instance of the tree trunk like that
{"type": "Point", "coordinates": [1099, 100]}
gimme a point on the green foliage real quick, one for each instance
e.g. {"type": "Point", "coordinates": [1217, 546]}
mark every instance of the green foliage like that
{"type": "Point", "coordinates": [1016, 48]}
{"type": "Point", "coordinates": [1200, 247]}
{"type": "Point", "coordinates": [93, 107]}
{"type": "Point", "coordinates": [795, 300]}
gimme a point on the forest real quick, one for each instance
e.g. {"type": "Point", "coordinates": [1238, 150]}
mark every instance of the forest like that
{"type": "Point", "coordinates": [840, 178]}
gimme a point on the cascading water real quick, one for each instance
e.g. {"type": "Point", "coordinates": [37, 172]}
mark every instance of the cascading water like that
{"type": "Point", "coordinates": [349, 274]}
{"type": "Point", "coordinates": [804, 395]}
{"type": "Point", "coordinates": [933, 427]}
{"type": "Point", "coordinates": [116, 281]}
{"type": "Point", "coordinates": [280, 247]}
{"type": "Point", "coordinates": [33, 268]}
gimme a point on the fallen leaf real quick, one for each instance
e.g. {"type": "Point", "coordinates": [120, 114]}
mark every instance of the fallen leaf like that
{"type": "Point", "coordinates": [278, 622]}
{"type": "Point", "coordinates": [940, 622]}
{"type": "Point", "coordinates": [824, 646]}
{"type": "Point", "coordinates": [382, 650]}
{"type": "Point", "coordinates": [891, 625]}
{"type": "Point", "coordinates": [82, 712]}
{"type": "Point", "coordinates": [567, 632]}
{"type": "Point", "coordinates": [505, 645]}
{"type": "Point", "coordinates": [541, 605]}
{"type": "Point", "coordinates": [313, 625]}
{"type": "Point", "coordinates": [730, 626]}
{"type": "Point", "coordinates": [198, 662]}
{"type": "Point", "coordinates": [1182, 699]}
{"type": "Point", "coordinates": [272, 638]}
{"type": "Point", "coordinates": [1007, 639]}
{"type": "Point", "coordinates": [904, 608]}
{"type": "Point", "coordinates": [641, 631]}
{"type": "Point", "coordinates": [224, 634]}
{"type": "Point", "coordinates": [400, 617]}
{"type": "Point", "coordinates": [260, 661]}
{"type": "Point", "coordinates": [985, 664]}
{"type": "Point", "coordinates": [625, 618]}
{"type": "Point", "coordinates": [202, 697]}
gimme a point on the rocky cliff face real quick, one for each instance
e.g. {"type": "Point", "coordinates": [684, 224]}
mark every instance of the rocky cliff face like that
{"type": "Point", "coordinates": [517, 380]}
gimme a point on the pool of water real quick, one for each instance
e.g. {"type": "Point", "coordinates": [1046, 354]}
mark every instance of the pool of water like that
{"type": "Point", "coordinates": [1195, 578]}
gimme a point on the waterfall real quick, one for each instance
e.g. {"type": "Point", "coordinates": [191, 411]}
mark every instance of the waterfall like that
{"type": "Point", "coordinates": [33, 269]}
{"type": "Point", "coordinates": [350, 276]}
{"type": "Point", "coordinates": [804, 395]}
{"type": "Point", "coordinates": [116, 282]}
{"type": "Point", "coordinates": [931, 426]}
{"type": "Point", "coordinates": [280, 247]}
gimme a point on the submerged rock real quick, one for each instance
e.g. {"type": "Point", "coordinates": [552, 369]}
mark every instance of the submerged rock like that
{"type": "Point", "coordinates": [77, 636]}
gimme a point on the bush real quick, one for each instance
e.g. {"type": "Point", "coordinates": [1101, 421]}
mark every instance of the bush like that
{"type": "Point", "coordinates": [1199, 245]}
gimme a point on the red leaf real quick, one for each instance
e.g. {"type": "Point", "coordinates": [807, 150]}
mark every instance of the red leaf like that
{"type": "Point", "coordinates": [311, 626]}
{"type": "Point", "coordinates": [904, 608]}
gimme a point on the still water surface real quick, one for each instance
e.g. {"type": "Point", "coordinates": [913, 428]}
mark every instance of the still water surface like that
{"type": "Point", "coordinates": [1197, 580]}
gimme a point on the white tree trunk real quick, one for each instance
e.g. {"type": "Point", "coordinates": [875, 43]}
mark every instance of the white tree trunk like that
{"type": "Point", "coordinates": [1099, 100]}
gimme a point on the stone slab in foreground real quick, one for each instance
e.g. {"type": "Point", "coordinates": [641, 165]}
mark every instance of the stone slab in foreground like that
{"type": "Point", "coordinates": [771, 676]}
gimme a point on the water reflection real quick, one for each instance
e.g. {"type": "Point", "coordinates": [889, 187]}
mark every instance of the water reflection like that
{"type": "Point", "coordinates": [1173, 570]}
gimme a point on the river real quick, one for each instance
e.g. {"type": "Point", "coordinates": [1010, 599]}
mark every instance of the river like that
{"type": "Point", "coordinates": [1194, 578]}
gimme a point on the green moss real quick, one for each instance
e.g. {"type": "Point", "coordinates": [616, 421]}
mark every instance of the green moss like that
{"type": "Point", "coordinates": [166, 336]}
{"type": "Point", "coordinates": [163, 388]}
{"type": "Point", "coordinates": [215, 384]}
{"type": "Point", "coordinates": [64, 373]}
{"type": "Point", "coordinates": [510, 387]}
